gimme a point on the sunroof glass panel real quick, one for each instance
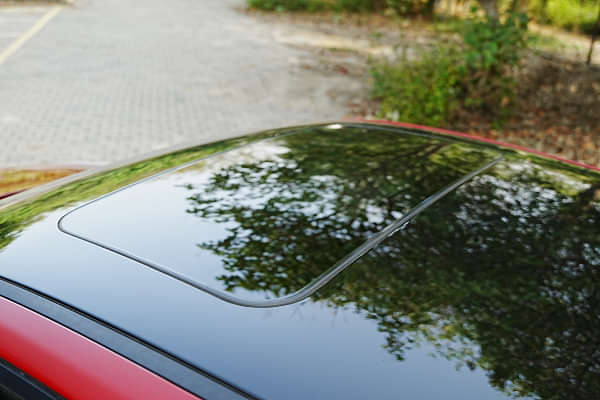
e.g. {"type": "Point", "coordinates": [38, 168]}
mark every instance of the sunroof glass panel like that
{"type": "Point", "coordinates": [263, 209]}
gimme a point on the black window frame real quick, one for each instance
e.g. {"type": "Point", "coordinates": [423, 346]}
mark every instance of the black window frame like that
{"type": "Point", "coordinates": [18, 385]}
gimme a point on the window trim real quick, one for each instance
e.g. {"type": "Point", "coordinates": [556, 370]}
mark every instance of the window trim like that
{"type": "Point", "coordinates": [154, 360]}
{"type": "Point", "coordinates": [72, 365]}
{"type": "Point", "coordinates": [24, 385]}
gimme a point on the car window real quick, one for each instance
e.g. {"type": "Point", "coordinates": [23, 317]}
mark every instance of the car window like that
{"type": "Point", "coordinates": [17, 385]}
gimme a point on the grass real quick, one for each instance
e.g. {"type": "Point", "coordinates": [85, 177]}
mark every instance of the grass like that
{"type": "Point", "coordinates": [448, 23]}
{"type": "Point", "coordinates": [545, 42]}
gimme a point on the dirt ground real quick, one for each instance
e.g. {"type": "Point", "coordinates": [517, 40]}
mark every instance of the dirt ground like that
{"type": "Point", "coordinates": [14, 180]}
{"type": "Point", "coordinates": [558, 110]}
{"type": "Point", "coordinates": [558, 107]}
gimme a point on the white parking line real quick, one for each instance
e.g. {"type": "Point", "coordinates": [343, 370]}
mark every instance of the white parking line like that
{"type": "Point", "coordinates": [17, 44]}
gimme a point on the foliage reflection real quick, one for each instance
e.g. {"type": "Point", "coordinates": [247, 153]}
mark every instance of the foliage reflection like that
{"type": "Point", "coordinates": [294, 215]}
{"type": "Point", "coordinates": [503, 274]}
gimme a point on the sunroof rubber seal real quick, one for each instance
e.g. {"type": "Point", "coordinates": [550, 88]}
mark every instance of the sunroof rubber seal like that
{"type": "Point", "coordinates": [318, 282]}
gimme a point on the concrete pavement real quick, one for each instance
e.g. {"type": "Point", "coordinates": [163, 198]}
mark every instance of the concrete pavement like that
{"type": "Point", "coordinates": [109, 79]}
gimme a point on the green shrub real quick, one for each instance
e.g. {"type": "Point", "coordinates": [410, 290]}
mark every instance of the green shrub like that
{"type": "Point", "coordinates": [425, 91]}
{"type": "Point", "coordinates": [476, 75]}
{"type": "Point", "coordinates": [567, 14]}
{"type": "Point", "coordinates": [289, 5]}
{"type": "Point", "coordinates": [492, 51]}
{"type": "Point", "coordinates": [402, 7]}
{"type": "Point", "coordinates": [411, 7]}
{"type": "Point", "coordinates": [355, 5]}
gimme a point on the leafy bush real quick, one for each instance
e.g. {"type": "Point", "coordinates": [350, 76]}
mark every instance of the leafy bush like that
{"type": "Point", "coordinates": [356, 5]}
{"type": "Point", "coordinates": [492, 51]}
{"type": "Point", "coordinates": [567, 14]}
{"type": "Point", "coordinates": [425, 91]}
{"type": "Point", "coordinates": [476, 75]}
{"type": "Point", "coordinates": [289, 5]}
{"type": "Point", "coordinates": [402, 7]}
{"type": "Point", "coordinates": [411, 7]}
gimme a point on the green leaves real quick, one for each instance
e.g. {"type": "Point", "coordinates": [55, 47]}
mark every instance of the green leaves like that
{"type": "Point", "coordinates": [400, 7]}
{"type": "Point", "coordinates": [567, 14]}
{"type": "Point", "coordinates": [475, 75]}
{"type": "Point", "coordinates": [494, 44]}
{"type": "Point", "coordinates": [424, 91]}
{"type": "Point", "coordinates": [287, 5]}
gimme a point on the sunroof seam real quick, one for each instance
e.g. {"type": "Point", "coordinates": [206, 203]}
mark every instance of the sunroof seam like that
{"type": "Point", "coordinates": [318, 282]}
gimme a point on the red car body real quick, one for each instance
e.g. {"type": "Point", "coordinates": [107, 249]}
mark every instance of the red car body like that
{"type": "Point", "coordinates": [71, 364]}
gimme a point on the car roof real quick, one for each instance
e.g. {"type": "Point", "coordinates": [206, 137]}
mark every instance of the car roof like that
{"type": "Point", "coordinates": [345, 187]}
{"type": "Point", "coordinates": [461, 278]}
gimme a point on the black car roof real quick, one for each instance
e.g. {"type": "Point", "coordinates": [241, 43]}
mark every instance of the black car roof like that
{"type": "Point", "coordinates": [349, 189]}
{"type": "Point", "coordinates": [500, 275]}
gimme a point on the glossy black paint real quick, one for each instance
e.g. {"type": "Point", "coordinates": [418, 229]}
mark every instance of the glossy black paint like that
{"type": "Point", "coordinates": [499, 277]}
{"type": "Point", "coordinates": [343, 188]}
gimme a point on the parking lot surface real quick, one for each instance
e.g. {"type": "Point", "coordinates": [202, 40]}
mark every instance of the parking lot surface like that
{"type": "Point", "coordinates": [109, 79]}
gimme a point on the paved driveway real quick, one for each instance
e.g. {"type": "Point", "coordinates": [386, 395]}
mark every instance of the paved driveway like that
{"type": "Point", "coordinates": [108, 79]}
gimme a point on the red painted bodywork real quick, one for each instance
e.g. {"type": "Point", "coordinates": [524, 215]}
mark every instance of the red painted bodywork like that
{"type": "Point", "coordinates": [477, 138]}
{"type": "Point", "coordinates": [72, 365]}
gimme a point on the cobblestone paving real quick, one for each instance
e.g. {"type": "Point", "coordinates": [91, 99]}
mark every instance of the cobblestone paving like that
{"type": "Point", "coordinates": [109, 79]}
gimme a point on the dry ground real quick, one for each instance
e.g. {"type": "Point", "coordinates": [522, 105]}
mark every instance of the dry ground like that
{"type": "Point", "coordinates": [13, 180]}
{"type": "Point", "coordinates": [558, 108]}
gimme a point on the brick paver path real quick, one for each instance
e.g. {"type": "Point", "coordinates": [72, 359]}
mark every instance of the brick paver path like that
{"type": "Point", "coordinates": [109, 79]}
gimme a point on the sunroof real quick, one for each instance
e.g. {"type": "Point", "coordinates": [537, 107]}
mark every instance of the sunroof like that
{"type": "Point", "coordinates": [261, 210]}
